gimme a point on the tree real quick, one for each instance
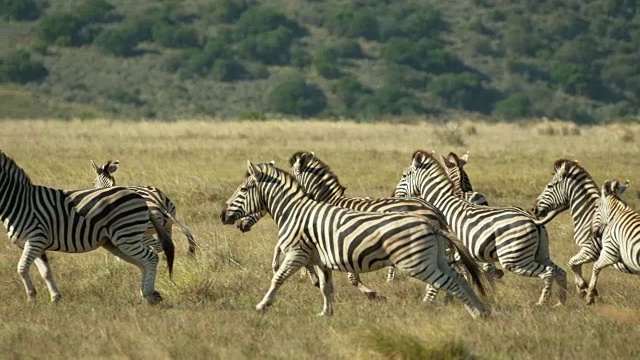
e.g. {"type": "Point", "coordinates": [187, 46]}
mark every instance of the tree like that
{"type": "Point", "coordinates": [297, 97]}
{"type": "Point", "coordinates": [515, 106]}
{"type": "Point", "coordinates": [18, 67]}
{"type": "Point", "coordinates": [19, 10]}
{"type": "Point", "coordinates": [60, 29]}
{"type": "Point", "coordinates": [118, 42]}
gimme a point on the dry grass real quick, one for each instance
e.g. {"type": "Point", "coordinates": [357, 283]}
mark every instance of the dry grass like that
{"type": "Point", "coordinates": [208, 312]}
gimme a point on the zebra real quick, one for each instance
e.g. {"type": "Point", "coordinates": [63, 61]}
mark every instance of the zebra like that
{"type": "Point", "coordinates": [464, 190]}
{"type": "Point", "coordinates": [160, 206]}
{"type": "Point", "coordinates": [620, 229]}
{"type": "Point", "coordinates": [321, 184]}
{"type": "Point", "coordinates": [457, 174]}
{"type": "Point", "coordinates": [509, 235]}
{"type": "Point", "coordinates": [40, 219]}
{"type": "Point", "coordinates": [572, 187]}
{"type": "Point", "coordinates": [333, 238]}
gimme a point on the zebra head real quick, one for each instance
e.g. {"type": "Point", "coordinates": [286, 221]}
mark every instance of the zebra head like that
{"type": "Point", "coordinates": [410, 182]}
{"type": "Point", "coordinates": [611, 189]}
{"type": "Point", "coordinates": [246, 200]}
{"type": "Point", "coordinates": [104, 174]}
{"type": "Point", "coordinates": [315, 176]}
{"type": "Point", "coordinates": [554, 199]}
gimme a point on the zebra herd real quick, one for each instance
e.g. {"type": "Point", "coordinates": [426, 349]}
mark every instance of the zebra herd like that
{"type": "Point", "coordinates": [435, 228]}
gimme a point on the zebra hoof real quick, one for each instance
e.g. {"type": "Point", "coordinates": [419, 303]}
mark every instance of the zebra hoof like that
{"type": "Point", "coordinates": [325, 313]}
{"type": "Point", "coordinates": [154, 298]}
{"type": "Point", "coordinates": [375, 296]}
{"type": "Point", "coordinates": [498, 274]}
{"type": "Point", "coordinates": [56, 298]}
{"type": "Point", "coordinates": [261, 308]}
{"type": "Point", "coordinates": [590, 299]}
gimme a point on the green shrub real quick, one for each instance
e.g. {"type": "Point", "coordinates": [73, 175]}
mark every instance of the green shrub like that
{"type": "Point", "coordinates": [173, 36]}
{"type": "Point", "coordinates": [349, 23]}
{"type": "Point", "coordinates": [300, 58]}
{"type": "Point", "coordinates": [228, 11]}
{"type": "Point", "coordinates": [514, 107]}
{"type": "Point", "coordinates": [259, 20]}
{"type": "Point", "coordinates": [19, 10]}
{"type": "Point", "coordinates": [573, 78]}
{"type": "Point", "coordinates": [18, 67]}
{"type": "Point", "coordinates": [348, 90]}
{"type": "Point", "coordinates": [388, 100]}
{"type": "Point", "coordinates": [462, 90]}
{"type": "Point", "coordinates": [297, 97]}
{"type": "Point", "coordinates": [426, 55]}
{"type": "Point", "coordinates": [346, 49]}
{"type": "Point", "coordinates": [126, 97]}
{"type": "Point", "coordinates": [92, 11]}
{"type": "Point", "coordinates": [227, 70]}
{"type": "Point", "coordinates": [118, 42]}
{"type": "Point", "coordinates": [271, 47]}
{"type": "Point", "coordinates": [61, 29]}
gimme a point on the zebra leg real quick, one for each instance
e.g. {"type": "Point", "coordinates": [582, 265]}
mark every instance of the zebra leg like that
{"type": "Point", "coordinates": [45, 272]}
{"type": "Point", "coordinates": [326, 287]}
{"type": "Point", "coordinates": [293, 260]}
{"type": "Point", "coordinates": [313, 276]}
{"type": "Point", "coordinates": [30, 252]}
{"type": "Point", "coordinates": [391, 273]}
{"type": "Point", "coordinates": [532, 269]}
{"type": "Point", "coordinates": [607, 258]}
{"type": "Point", "coordinates": [275, 263]}
{"type": "Point", "coordinates": [560, 276]}
{"type": "Point", "coordinates": [585, 255]}
{"type": "Point", "coordinates": [431, 294]}
{"type": "Point", "coordinates": [354, 279]}
{"type": "Point", "coordinates": [146, 260]}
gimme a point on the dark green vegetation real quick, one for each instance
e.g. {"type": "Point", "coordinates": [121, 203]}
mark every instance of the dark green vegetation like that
{"type": "Point", "coordinates": [363, 59]}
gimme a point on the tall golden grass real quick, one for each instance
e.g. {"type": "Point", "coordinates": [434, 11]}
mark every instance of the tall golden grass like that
{"type": "Point", "coordinates": [208, 309]}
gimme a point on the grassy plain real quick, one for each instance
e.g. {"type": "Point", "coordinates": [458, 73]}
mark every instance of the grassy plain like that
{"type": "Point", "coordinates": [208, 311]}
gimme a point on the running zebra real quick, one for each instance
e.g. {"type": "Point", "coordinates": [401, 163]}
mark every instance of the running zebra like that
{"type": "Point", "coordinates": [572, 187]}
{"type": "Point", "coordinates": [620, 228]}
{"type": "Point", "coordinates": [39, 219]}
{"type": "Point", "coordinates": [333, 238]}
{"type": "Point", "coordinates": [506, 234]}
{"type": "Point", "coordinates": [321, 184]}
{"type": "Point", "coordinates": [160, 206]}
{"type": "Point", "coordinates": [457, 174]}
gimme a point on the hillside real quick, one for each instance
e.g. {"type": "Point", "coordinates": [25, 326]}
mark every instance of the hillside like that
{"type": "Point", "coordinates": [362, 59]}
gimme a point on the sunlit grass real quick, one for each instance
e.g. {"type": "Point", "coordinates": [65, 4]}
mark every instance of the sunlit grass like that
{"type": "Point", "coordinates": [208, 308]}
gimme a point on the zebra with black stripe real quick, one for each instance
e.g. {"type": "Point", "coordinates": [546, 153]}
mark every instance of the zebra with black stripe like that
{"type": "Point", "coordinates": [333, 238]}
{"type": "Point", "coordinates": [457, 174]}
{"type": "Point", "coordinates": [321, 184]}
{"type": "Point", "coordinates": [572, 187]}
{"type": "Point", "coordinates": [506, 234]}
{"type": "Point", "coordinates": [160, 206]}
{"type": "Point", "coordinates": [620, 229]}
{"type": "Point", "coordinates": [40, 219]}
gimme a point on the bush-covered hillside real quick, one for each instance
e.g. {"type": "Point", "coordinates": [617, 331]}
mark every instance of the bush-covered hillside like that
{"type": "Point", "coordinates": [365, 59]}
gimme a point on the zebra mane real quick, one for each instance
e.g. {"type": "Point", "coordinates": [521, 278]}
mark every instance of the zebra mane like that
{"type": "Point", "coordinates": [267, 171]}
{"type": "Point", "coordinates": [321, 169]}
{"type": "Point", "coordinates": [573, 164]}
{"type": "Point", "coordinates": [9, 166]}
{"type": "Point", "coordinates": [430, 157]}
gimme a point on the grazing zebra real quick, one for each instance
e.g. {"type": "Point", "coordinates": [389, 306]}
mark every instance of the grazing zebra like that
{"type": "Point", "coordinates": [333, 238]}
{"type": "Point", "coordinates": [160, 206]}
{"type": "Point", "coordinates": [457, 174]}
{"type": "Point", "coordinates": [620, 229]}
{"type": "Point", "coordinates": [321, 184]}
{"type": "Point", "coordinates": [40, 219]}
{"type": "Point", "coordinates": [506, 234]}
{"type": "Point", "coordinates": [572, 187]}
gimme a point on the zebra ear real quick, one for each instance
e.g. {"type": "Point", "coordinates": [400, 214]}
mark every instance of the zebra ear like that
{"type": "Point", "coordinates": [447, 162]}
{"type": "Point", "coordinates": [609, 187]}
{"type": "Point", "coordinates": [621, 188]}
{"type": "Point", "coordinates": [272, 162]}
{"type": "Point", "coordinates": [112, 167]}
{"type": "Point", "coordinates": [95, 167]}
{"type": "Point", "coordinates": [464, 158]}
{"type": "Point", "coordinates": [251, 169]}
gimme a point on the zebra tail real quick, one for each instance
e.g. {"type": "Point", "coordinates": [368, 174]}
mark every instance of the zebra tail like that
{"type": "Point", "coordinates": [167, 245]}
{"type": "Point", "coordinates": [465, 258]}
{"type": "Point", "coordinates": [193, 244]}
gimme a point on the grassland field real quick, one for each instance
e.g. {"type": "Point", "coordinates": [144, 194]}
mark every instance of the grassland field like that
{"type": "Point", "coordinates": [208, 312]}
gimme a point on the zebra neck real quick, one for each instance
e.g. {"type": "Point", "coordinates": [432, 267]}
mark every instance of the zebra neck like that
{"type": "Point", "coordinates": [15, 207]}
{"type": "Point", "coordinates": [582, 199]}
{"type": "Point", "coordinates": [281, 201]}
{"type": "Point", "coordinates": [325, 189]}
{"type": "Point", "coordinates": [436, 191]}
